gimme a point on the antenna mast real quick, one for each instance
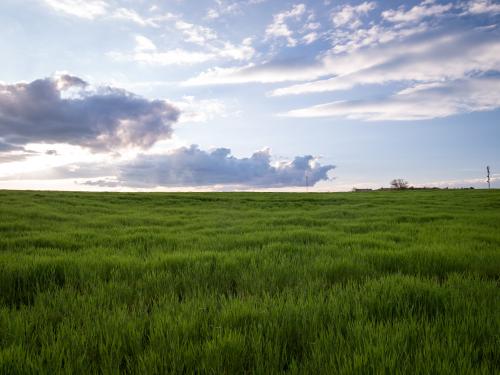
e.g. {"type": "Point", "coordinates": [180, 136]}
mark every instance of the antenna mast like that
{"type": "Point", "coordinates": [488, 176]}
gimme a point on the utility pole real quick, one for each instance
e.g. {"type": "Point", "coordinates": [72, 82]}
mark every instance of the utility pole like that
{"type": "Point", "coordinates": [488, 176]}
{"type": "Point", "coordinates": [307, 183]}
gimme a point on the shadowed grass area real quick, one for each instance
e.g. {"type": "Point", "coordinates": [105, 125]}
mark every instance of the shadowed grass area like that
{"type": "Point", "coordinates": [225, 283]}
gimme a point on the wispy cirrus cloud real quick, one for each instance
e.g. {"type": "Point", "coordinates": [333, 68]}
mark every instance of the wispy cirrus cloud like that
{"type": "Point", "coordinates": [201, 110]}
{"type": "Point", "coordinates": [481, 7]}
{"type": "Point", "coordinates": [408, 46]}
{"type": "Point", "coordinates": [350, 16]}
{"type": "Point", "coordinates": [147, 52]}
{"type": "Point", "coordinates": [104, 10]}
{"type": "Point", "coordinates": [342, 58]}
{"type": "Point", "coordinates": [419, 102]}
{"type": "Point", "coordinates": [175, 56]}
{"type": "Point", "coordinates": [265, 73]}
{"type": "Point", "coordinates": [279, 28]}
{"type": "Point", "coordinates": [195, 33]}
{"type": "Point", "coordinates": [224, 7]}
{"type": "Point", "coordinates": [435, 58]}
{"type": "Point", "coordinates": [349, 54]}
{"type": "Point", "coordinates": [87, 9]}
{"type": "Point", "coordinates": [427, 8]}
{"type": "Point", "coordinates": [132, 16]}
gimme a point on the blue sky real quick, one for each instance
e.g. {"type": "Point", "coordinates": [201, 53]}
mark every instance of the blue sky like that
{"type": "Point", "coordinates": [250, 94]}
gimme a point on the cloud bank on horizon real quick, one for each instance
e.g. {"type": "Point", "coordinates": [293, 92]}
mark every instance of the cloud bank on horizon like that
{"type": "Point", "coordinates": [65, 109]}
{"type": "Point", "coordinates": [196, 63]}
{"type": "Point", "coordinates": [190, 166]}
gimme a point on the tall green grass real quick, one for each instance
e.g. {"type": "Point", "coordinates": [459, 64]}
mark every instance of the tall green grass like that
{"type": "Point", "coordinates": [232, 283]}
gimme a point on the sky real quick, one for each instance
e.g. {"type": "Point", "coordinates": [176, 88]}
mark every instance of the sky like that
{"type": "Point", "coordinates": [222, 95]}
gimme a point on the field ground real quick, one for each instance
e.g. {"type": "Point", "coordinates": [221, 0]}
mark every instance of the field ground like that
{"type": "Point", "coordinates": [382, 282]}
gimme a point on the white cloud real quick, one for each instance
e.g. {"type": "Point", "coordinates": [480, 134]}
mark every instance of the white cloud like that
{"type": "Point", "coordinates": [242, 52]}
{"type": "Point", "coordinates": [223, 8]}
{"type": "Point", "coordinates": [144, 44]}
{"type": "Point", "coordinates": [92, 9]}
{"type": "Point", "coordinates": [350, 40]}
{"type": "Point", "coordinates": [425, 101]}
{"type": "Point", "coordinates": [482, 6]}
{"type": "Point", "coordinates": [426, 9]}
{"type": "Point", "coordinates": [279, 28]}
{"type": "Point", "coordinates": [350, 16]}
{"type": "Point", "coordinates": [195, 33]}
{"type": "Point", "coordinates": [200, 110]}
{"type": "Point", "coordinates": [442, 57]}
{"type": "Point", "coordinates": [171, 57]}
{"type": "Point", "coordinates": [145, 51]}
{"type": "Point", "coordinates": [269, 73]}
{"type": "Point", "coordinates": [341, 59]}
{"type": "Point", "coordinates": [212, 14]}
{"type": "Point", "coordinates": [312, 26]}
{"type": "Point", "coordinates": [310, 37]}
{"type": "Point", "coordinates": [132, 16]}
{"type": "Point", "coordinates": [88, 9]}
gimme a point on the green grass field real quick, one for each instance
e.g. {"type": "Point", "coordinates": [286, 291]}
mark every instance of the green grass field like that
{"type": "Point", "coordinates": [234, 283]}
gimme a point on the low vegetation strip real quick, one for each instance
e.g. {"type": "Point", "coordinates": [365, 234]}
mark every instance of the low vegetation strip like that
{"type": "Point", "coordinates": [233, 283]}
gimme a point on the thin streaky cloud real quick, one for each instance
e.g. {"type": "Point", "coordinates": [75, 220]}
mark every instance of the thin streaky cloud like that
{"type": "Point", "coordinates": [420, 102]}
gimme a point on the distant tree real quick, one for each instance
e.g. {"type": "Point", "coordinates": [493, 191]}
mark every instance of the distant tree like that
{"type": "Point", "coordinates": [399, 183]}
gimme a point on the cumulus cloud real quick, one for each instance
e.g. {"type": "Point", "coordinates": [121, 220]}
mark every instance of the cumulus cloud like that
{"type": "Point", "coordinates": [419, 102]}
{"type": "Point", "coordinates": [66, 109]}
{"type": "Point", "coordinates": [190, 166]}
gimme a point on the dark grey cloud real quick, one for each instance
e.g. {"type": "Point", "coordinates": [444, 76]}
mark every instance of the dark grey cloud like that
{"type": "Point", "coordinates": [5, 147]}
{"type": "Point", "coordinates": [11, 152]}
{"type": "Point", "coordinates": [66, 109]}
{"type": "Point", "coordinates": [190, 166]}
